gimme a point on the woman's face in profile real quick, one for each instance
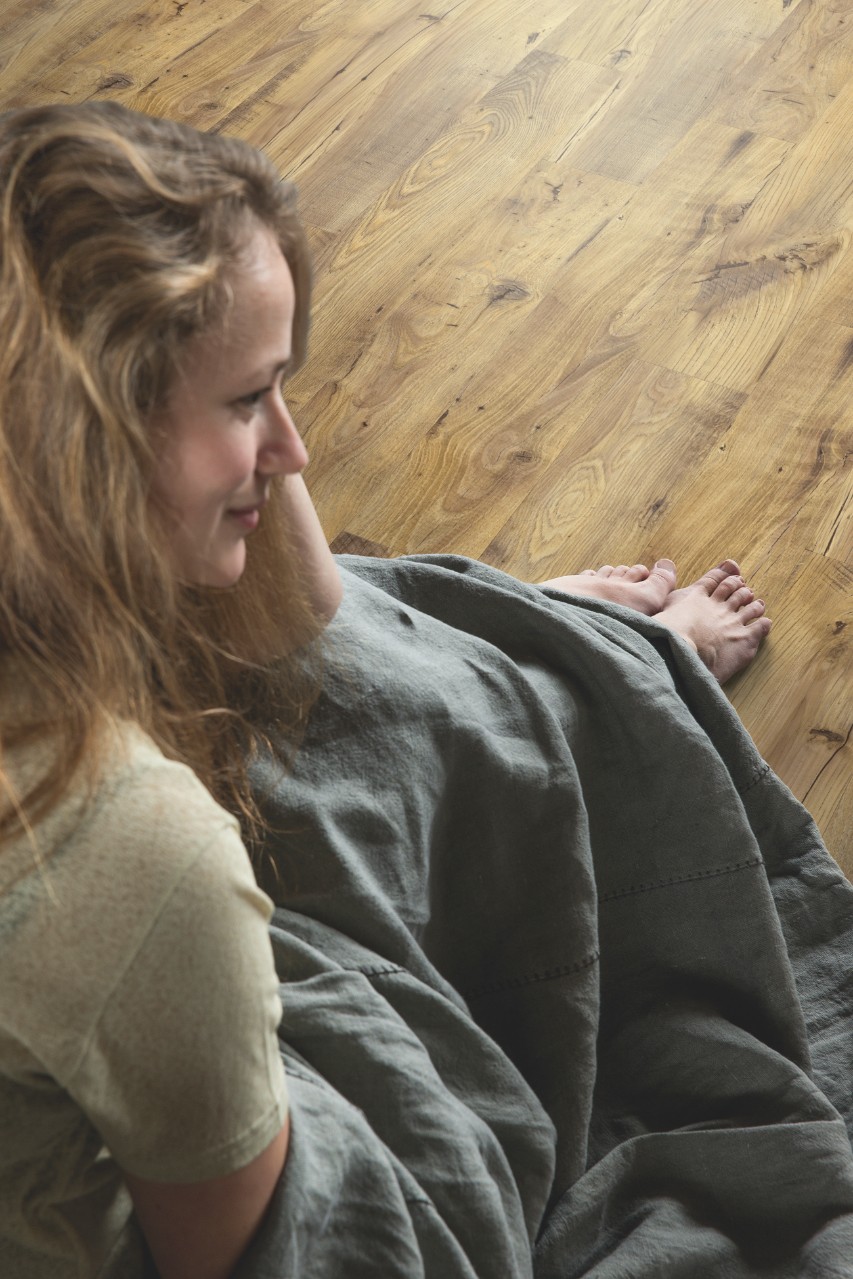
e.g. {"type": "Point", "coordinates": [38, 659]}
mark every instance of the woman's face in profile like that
{"type": "Point", "coordinates": [225, 429]}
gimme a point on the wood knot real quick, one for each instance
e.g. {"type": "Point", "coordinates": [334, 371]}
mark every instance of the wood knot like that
{"type": "Point", "coordinates": [118, 80]}
{"type": "Point", "coordinates": [434, 429]}
{"type": "Point", "coordinates": [653, 511]}
{"type": "Point", "coordinates": [810, 254]}
{"type": "Point", "coordinates": [740, 144]}
{"type": "Point", "coordinates": [827, 735]}
{"type": "Point", "coordinates": [507, 291]}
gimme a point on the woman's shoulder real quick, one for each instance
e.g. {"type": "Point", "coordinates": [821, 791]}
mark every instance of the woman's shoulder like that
{"type": "Point", "coordinates": [147, 818]}
{"type": "Point", "coordinates": [153, 808]}
{"type": "Point", "coordinates": [137, 772]}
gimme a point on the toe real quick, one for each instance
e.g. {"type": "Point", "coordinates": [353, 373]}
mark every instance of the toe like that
{"type": "Point", "coordinates": [727, 587]}
{"type": "Point", "coordinates": [751, 611]}
{"type": "Point", "coordinates": [606, 570]}
{"type": "Point", "coordinates": [665, 569]}
{"type": "Point", "coordinates": [710, 581]}
{"type": "Point", "coordinates": [730, 568]}
{"type": "Point", "coordinates": [739, 598]}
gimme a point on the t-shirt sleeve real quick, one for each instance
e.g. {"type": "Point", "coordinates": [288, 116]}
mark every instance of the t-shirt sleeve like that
{"type": "Point", "coordinates": [182, 1076]}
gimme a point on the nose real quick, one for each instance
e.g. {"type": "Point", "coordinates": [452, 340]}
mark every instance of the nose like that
{"type": "Point", "coordinates": [282, 451]}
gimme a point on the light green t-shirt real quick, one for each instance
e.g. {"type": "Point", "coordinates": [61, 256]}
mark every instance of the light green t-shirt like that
{"type": "Point", "coordinates": [138, 1010]}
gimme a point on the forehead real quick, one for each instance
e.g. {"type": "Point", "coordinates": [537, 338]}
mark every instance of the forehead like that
{"type": "Point", "coordinates": [261, 283]}
{"type": "Point", "coordinates": [258, 323]}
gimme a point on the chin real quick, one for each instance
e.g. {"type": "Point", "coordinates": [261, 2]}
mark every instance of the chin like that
{"type": "Point", "coordinates": [226, 577]}
{"type": "Point", "coordinates": [223, 572]}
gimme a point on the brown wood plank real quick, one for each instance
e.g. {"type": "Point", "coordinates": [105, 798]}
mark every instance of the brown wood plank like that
{"type": "Point", "coordinates": [787, 87]}
{"type": "Point", "coordinates": [725, 321]}
{"type": "Point", "coordinates": [693, 52]}
{"type": "Point", "coordinates": [797, 703]}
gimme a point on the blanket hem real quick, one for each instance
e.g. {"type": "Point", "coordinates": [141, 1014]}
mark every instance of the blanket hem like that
{"type": "Point", "coordinates": [681, 879]}
{"type": "Point", "coordinates": [530, 979]}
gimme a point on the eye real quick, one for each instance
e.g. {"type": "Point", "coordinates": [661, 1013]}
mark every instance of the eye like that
{"type": "Point", "coordinates": [252, 401]}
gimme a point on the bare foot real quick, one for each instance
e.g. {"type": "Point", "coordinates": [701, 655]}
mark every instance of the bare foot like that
{"type": "Point", "coordinates": [720, 617]}
{"type": "Point", "coordinates": [635, 586]}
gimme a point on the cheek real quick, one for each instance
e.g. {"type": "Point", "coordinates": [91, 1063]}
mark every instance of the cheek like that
{"type": "Point", "coordinates": [206, 456]}
{"type": "Point", "coordinates": [230, 468]}
{"type": "Point", "coordinates": [206, 471]}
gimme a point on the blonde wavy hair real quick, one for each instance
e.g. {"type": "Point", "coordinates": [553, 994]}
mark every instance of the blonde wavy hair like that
{"type": "Point", "coordinates": [118, 234]}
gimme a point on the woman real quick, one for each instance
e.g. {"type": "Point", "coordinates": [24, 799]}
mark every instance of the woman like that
{"type": "Point", "coordinates": [137, 453]}
{"type": "Point", "coordinates": [164, 582]}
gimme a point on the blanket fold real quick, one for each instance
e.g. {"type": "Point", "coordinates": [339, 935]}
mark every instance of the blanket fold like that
{"type": "Point", "coordinates": [565, 967]}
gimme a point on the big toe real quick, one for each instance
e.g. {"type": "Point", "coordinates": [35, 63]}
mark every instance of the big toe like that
{"type": "Point", "coordinates": [665, 570]}
{"type": "Point", "coordinates": [659, 585]}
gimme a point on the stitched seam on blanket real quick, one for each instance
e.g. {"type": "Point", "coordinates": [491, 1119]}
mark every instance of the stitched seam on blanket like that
{"type": "Point", "coordinates": [293, 1072]}
{"type": "Point", "coordinates": [529, 979]}
{"type": "Point", "coordinates": [759, 777]}
{"type": "Point", "coordinates": [386, 970]}
{"type": "Point", "coordinates": [681, 879]}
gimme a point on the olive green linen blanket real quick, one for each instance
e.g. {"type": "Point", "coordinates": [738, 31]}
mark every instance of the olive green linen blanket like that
{"type": "Point", "coordinates": [567, 972]}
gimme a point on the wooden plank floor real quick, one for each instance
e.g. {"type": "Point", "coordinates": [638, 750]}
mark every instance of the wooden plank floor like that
{"type": "Point", "coordinates": [584, 284]}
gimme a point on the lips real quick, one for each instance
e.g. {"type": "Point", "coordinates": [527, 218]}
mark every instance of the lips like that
{"type": "Point", "coordinates": [248, 520]}
{"type": "Point", "coordinates": [248, 510]}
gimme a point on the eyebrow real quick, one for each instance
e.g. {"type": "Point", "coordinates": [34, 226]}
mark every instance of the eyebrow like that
{"type": "Point", "coordinates": [264, 375]}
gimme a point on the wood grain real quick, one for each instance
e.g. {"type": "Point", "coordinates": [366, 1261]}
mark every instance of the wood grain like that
{"type": "Point", "coordinates": [584, 285]}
